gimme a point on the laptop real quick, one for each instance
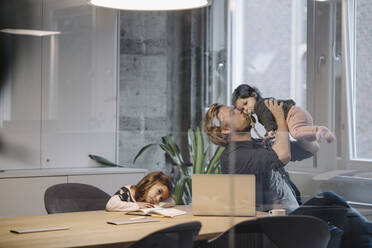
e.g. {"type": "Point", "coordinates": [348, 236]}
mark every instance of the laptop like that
{"type": "Point", "coordinates": [224, 194]}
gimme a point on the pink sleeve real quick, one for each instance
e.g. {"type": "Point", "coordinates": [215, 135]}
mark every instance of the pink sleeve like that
{"type": "Point", "coordinates": [116, 204]}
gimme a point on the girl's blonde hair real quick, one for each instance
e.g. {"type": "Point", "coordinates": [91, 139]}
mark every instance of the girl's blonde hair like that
{"type": "Point", "coordinates": [213, 127]}
{"type": "Point", "coordinates": [143, 186]}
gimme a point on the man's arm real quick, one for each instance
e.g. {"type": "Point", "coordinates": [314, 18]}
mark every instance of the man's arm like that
{"type": "Point", "coordinates": [298, 153]}
{"type": "Point", "coordinates": [281, 145]}
{"type": "Point", "coordinates": [310, 146]}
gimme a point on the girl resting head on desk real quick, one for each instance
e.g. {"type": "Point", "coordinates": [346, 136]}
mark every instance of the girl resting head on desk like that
{"type": "Point", "coordinates": [151, 191]}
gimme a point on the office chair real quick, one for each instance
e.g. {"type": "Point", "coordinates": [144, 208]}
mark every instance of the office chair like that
{"type": "Point", "coordinates": [178, 236]}
{"type": "Point", "coordinates": [335, 216]}
{"type": "Point", "coordinates": [332, 214]}
{"type": "Point", "coordinates": [74, 197]}
{"type": "Point", "coordinates": [282, 231]}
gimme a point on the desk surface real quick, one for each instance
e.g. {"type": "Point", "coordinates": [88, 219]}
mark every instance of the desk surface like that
{"type": "Point", "coordinates": [90, 228]}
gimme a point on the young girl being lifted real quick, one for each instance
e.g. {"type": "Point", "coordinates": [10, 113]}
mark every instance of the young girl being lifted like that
{"type": "Point", "coordinates": [300, 123]}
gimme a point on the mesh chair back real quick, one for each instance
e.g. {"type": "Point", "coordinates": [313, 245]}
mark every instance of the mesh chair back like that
{"type": "Point", "coordinates": [296, 231]}
{"type": "Point", "coordinates": [74, 197]}
{"type": "Point", "coordinates": [178, 236]}
{"type": "Point", "coordinates": [283, 231]}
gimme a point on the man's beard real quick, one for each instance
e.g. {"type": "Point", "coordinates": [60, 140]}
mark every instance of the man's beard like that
{"type": "Point", "coordinates": [246, 129]}
{"type": "Point", "coordinates": [248, 126]}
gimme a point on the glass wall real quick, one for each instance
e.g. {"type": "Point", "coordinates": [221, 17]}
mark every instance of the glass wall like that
{"type": "Point", "coordinates": [362, 90]}
{"type": "Point", "coordinates": [316, 53]}
{"type": "Point", "coordinates": [269, 50]}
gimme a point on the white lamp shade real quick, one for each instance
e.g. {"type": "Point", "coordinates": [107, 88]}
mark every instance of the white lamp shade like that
{"type": "Point", "coordinates": [30, 32]}
{"type": "Point", "coordinates": [151, 5]}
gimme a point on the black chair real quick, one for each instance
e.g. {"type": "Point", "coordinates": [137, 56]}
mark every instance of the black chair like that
{"type": "Point", "coordinates": [178, 236]}
{"type": "Point", "coordinates": [282, 231]}
{"type": "Point", "coordinates": [74, 197]}
{"type": "Point", "coordinates": [332, 214]}
{"type": "Point", "coordinates": [335, 216]}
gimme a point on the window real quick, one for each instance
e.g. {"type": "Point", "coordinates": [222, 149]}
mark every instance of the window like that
{"type": "Point", "coordinates": [362, 82]}
{"type": "Point", "coordinates": [269, 47]}
{"type": "Point", "coordinates": [293, 49]}
{"type": "Point", "coordinates": [216, 71]}
{"type": "Point", "coordinates": [269, 43]}
{"type": "Point", "coordinates": [356, 148]}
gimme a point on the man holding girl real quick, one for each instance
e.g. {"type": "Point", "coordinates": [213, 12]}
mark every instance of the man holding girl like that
{"type": "Point", "coordinates": [230, 127]}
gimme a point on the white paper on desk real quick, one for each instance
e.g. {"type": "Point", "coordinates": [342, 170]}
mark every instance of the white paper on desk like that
{"type": "Point", "coordinates": [124, 222]}
{"type": "Point", "coordinates": [167, 212]}
{"type": "Point", "coordinates": [41, 229]}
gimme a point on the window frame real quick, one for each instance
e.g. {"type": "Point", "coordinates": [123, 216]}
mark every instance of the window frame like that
{"type": "Point", "coordinates": [330, 80]}
{"type": "Point", "coordinates": [349, 160]}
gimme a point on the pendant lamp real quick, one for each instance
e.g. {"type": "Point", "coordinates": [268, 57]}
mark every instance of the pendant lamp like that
{"type": "Point", "coordinates": [151, 5]}
{"type": "Point", "coordinates": [30, 32]}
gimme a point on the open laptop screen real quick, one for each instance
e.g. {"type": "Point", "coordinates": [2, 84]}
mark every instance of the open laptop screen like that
{"type": "Point", "coordinates": [226, 194]}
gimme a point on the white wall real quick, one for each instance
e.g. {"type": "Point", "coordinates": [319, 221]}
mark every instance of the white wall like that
{"type": "Point", "coordinates": [60, 99]}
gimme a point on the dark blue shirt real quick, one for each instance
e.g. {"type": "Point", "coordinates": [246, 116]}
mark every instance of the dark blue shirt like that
{"type": "Point", "coordinates": [273, 187]}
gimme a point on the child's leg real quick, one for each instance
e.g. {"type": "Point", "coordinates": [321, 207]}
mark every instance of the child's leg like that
{"type": "Point", "coordinates": [324, 133]}
{"type": "Point", "coordinates": [300, 126]}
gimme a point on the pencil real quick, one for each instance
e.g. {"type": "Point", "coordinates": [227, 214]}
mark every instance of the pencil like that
{"type": "Point", "coordinates": [160, 216]}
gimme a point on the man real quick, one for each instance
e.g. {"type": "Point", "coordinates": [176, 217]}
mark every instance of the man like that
{"type": "Point", "coordinates": [230, 127]}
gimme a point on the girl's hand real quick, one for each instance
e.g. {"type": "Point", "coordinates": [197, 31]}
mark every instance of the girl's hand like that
{"type": "Point", "coordinates": [144, 205]}
{"type": "Point", "coordinates": [271, 134]}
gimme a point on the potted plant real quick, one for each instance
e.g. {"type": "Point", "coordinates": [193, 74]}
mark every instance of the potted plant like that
{"type": "Point", "coordinates": [200, 162]}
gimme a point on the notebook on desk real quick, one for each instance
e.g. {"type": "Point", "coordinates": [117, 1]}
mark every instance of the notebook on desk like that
{"type": "Point", "coordinates": [224, 195]}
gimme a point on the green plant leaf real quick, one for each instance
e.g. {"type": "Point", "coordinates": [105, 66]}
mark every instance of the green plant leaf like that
{"type": "Point", "coordinates": [182, 188]}
{"type": "Point", "coordinates": [200, 157]}
{"type": "Point", "coordinates": [165, 141]}
{"type": "Point", "coordinates": [215, 160]}
{"type": "Point", "coordinates": [192, 144]}
{"type": "Point", "coordinates": [175, 159]}
{"type": "Point", "coordinates": [189, 188]}
{"type": "Point", "coordinates": [174, 147]}
{"type": "Point", "coordinates": [168, 150]}
{"type": "Point", "coordinates": [187, 191]}
{"type": "Point", "coordinates": [170, 153]}
{"type": "Point", "coordinates": [103, 161]}
{"type": "Point", "coordinates": [217, 168]}
{"type": "Point", "coordinates": [179, 190]}
{"type": "Point", "coordinates": [142, 150]}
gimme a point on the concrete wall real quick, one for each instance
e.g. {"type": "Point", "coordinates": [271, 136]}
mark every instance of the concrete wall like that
{"type": "Point", "coordinates": [161, 84]}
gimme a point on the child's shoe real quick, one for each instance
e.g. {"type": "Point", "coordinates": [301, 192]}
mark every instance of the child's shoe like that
{"type": "Point", "coordinates": [324, 133]}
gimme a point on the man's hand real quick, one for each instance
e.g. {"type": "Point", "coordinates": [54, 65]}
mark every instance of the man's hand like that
{"type": "Point", "coordinates": [278, 113]}
{"type": "Point", "coordinates": [144, 205]}
{"type": "Point", "coordinates": [276, 110]}
{"type": "Point", "coordinates": [281, 144]}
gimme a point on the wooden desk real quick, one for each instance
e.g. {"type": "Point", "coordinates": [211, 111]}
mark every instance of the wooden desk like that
{"type": "Point", "coordinates": [90, 229]}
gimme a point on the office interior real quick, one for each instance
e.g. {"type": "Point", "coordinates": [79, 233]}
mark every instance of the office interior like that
{"type": "Point", "coordinates": [108, 82]}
